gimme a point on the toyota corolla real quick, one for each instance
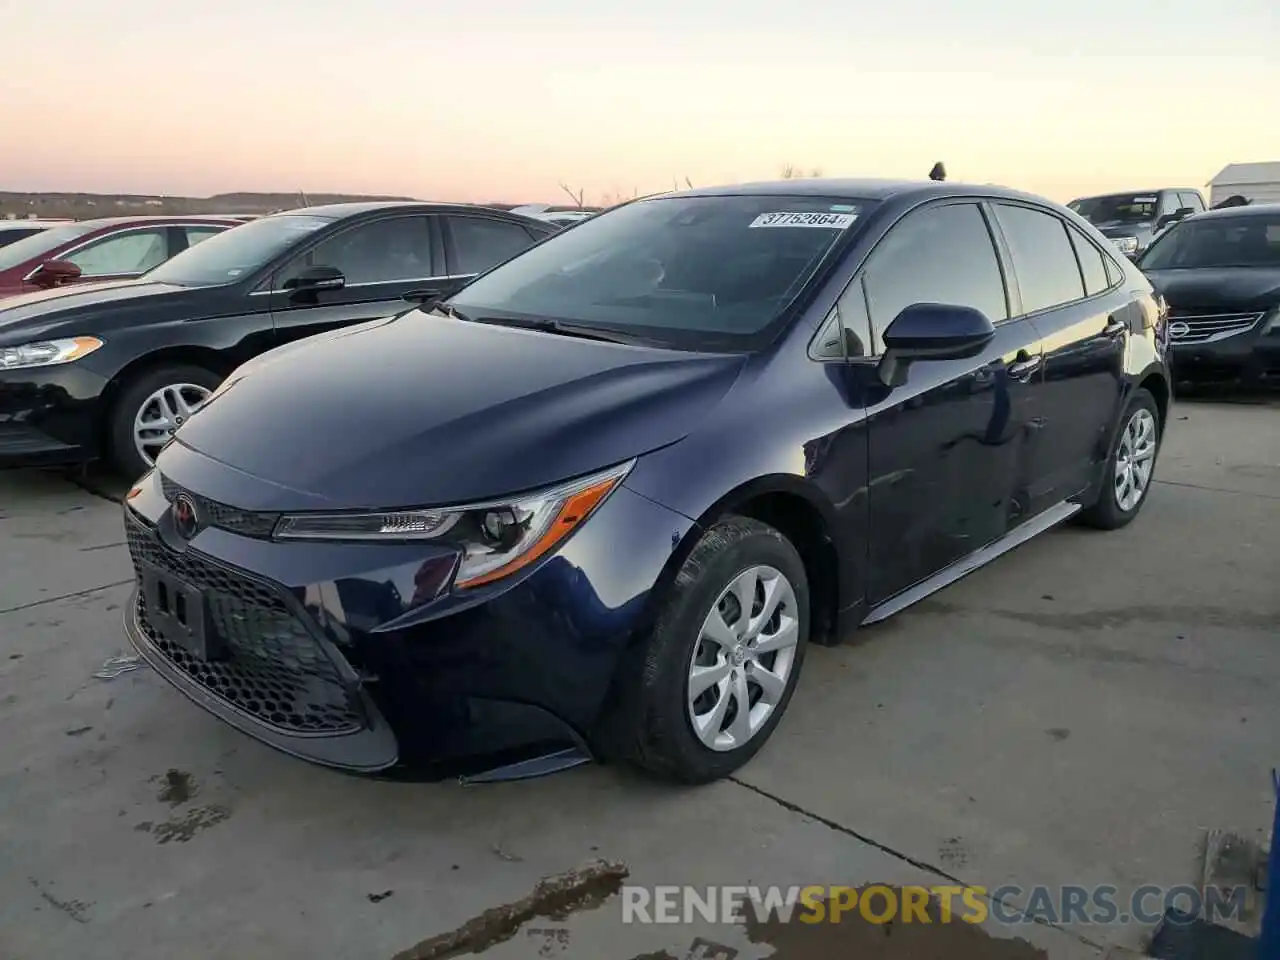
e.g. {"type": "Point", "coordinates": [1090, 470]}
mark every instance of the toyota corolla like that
{"type": "Point", "coordinates": [597, 504]}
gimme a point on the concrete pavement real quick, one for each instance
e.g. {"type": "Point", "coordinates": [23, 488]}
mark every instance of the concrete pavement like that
{"type": "Point", "coordinates": [1077, 713]}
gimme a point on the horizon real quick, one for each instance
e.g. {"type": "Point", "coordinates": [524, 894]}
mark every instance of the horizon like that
{"type": "Point", "coordinates": [1061, 103]}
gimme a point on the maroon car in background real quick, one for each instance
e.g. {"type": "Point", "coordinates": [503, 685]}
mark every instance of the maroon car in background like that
{"type": "Point", "coordinates": [114, 248]}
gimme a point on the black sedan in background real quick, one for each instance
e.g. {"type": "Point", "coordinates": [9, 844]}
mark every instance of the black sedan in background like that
{"type": "Point", "coordinates": [597, 502]}
{"type": "Point", "coordinates": [1219, 273]}
{"type": "Point", "coordinates": [113, 369]}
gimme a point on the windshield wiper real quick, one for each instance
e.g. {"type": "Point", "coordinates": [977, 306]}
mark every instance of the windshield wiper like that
{"type": "Point", "coordinates": [559, 327]}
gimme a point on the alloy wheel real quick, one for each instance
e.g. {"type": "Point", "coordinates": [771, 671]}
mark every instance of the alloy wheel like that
{"type": "Point", "coordinates": [743, 658]}
{"type": "Point", "coordinates": [1135, 459]}
{"type": "Point", "coordinates": [162, 413]}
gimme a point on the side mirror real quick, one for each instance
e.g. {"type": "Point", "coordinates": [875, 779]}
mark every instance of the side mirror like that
{"type": "Point", "coordinates": [1179, 214]}
{"type": "Point", "coordinates": [316, 278]}
{"type": "Point", "coordinates": [931, 331]}
{"type": "Point", "coordinates": [53, 273]}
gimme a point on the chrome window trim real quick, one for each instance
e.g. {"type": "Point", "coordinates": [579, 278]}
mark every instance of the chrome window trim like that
{"type": "Point", "coordinates": [376, 283]}
{"type": "Point", "coordinates": [124, 231]}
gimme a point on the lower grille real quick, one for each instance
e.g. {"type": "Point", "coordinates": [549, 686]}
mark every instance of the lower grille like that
{"type": "Point", "coordinates": [277, 672]}
{"type": "Point", "coordinates": [1209, 327]}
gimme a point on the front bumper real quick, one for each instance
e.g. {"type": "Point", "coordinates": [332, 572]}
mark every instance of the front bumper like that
{"type": "Point", "coordinates": [49, 416]}
{"type": "Point", "coordinates": [359, 656]}
{"type": "Point", "coordinates": [1246, 362]}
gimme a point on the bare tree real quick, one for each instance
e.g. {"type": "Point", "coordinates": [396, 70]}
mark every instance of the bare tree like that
{"type": "Point", "coordinates": [577, 198]}
{"type": "Point", "coordinates": [791, 172]}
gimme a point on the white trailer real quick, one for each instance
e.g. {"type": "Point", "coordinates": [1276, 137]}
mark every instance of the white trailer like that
{"type": "Point", "coordinates": [1256, 182]}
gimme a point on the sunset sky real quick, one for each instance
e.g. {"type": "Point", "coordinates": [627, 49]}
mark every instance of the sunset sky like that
{"type": "Point", "coordinates": [507, 99]}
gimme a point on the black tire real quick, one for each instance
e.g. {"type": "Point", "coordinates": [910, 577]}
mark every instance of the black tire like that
{"type": "Point", "coordinates": [1106, 513]}
{"type": "Point", "coordinates": [658, 735]}
{"type": "Point", "coordinates": [124, 457]}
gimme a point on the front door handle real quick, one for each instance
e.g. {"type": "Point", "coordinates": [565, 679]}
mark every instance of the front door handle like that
{"type": "Point", "coordinates": [1023, 369]}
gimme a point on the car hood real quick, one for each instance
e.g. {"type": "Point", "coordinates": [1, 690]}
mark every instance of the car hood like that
{"type": "Point", "coordinates": [424, 410]}
{"type": "Point", "coordinates": [44, 310]}
{"type": "Point", "coordinates": [1218, 289]}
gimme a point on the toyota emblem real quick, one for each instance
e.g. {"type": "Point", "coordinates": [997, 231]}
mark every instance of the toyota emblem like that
{"type": "Point", "coordinates": [185, 519]}
{"type": "Point", "coordinates": [1178, 329]}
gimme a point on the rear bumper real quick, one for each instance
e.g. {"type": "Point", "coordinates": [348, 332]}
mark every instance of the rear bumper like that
{"type": "Point", "coordinates": [358, 656]}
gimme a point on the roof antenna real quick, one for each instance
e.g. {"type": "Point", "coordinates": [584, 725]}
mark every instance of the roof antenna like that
{"type": "Point", "coordinates": [938, 173]}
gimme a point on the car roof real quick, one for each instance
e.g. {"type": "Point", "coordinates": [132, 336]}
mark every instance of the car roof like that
{"type": "Point", "coordinates": [338, 211]}
{"type": "Point", "coordinates": [101, 222]}
{"type": "Point", "coordinates": [1137, 193]}
{"type": "Point", "coordinates": [862, 189]}
{"type": "Point", "coordinates": [1249, 210]}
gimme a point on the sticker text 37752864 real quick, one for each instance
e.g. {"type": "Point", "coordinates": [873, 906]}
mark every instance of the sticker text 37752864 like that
{"type": "Point", "coordinates": [826, 221]}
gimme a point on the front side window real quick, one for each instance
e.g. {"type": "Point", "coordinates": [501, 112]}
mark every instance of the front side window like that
{"type": "Point", "coordinates": [936, 255]}
{"type": "Point", "coordinates": [1249, 241]}
{"type": "Point", "coordinates": [481, 242]}
{"type": "Point", "coordinates": [384, 251]}
{"type": "Point", "coordinates": [699, 272]}
{"type": "Point", "coordinates": [126, 254]}
{"type": "Point", "coordinates": [1192, 201]}
{"type": "Point", "coordinates": [1043, 259]}
{"type": "Point", "coordinates": [232, 255]}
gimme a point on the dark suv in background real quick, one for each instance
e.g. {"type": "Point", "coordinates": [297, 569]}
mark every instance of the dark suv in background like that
{"type": "Point", "coordinates": [1132, 220]}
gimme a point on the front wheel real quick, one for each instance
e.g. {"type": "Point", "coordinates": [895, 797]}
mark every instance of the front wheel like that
{"type": "Point", "coordinates": [724, 656]}
{"type": "Point", "coordinates": [150, 409]}
{"type": "Point", "coordinates": [1131, 467]}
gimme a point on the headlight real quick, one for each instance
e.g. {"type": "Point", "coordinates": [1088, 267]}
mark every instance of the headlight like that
{"type": "Point", "coordinates": [47, 353]}
{"type": "Point", "coordinates": [496, 538]}
{"type": "Point", "coordinates": [1126, 245]}
{"type": "Point", "coordinates": [1271, 324]}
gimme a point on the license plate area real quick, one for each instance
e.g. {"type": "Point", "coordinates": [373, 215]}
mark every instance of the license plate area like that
{"type": "Point", "coordinates": [178, 613]}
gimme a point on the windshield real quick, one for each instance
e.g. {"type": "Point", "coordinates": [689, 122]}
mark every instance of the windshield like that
{"type": "Point", "coordinates": [1252, 241]}
{"type": "Point", "coordinates": [230, 255]}
{"type": "Point", "coordinates": [689, 272]}
{"type": "Point", "coordinates": [1117, 208]}
{"type": "Point", "coordinates": [39, 244]}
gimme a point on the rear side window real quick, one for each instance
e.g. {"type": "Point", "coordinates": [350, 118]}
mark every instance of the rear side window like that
{"type": "Point", "coordinates": [479, 243]}
{"type": "Point", "coordinates": [1043, 258]}
{"type": "Point", "coordinates": [935, 255]}
{"type": "Point", "coordinates": [1092, 264]}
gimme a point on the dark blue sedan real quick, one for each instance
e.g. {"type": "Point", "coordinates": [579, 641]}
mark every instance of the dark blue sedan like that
{"type": "Point", "coordinates": [596, 504]}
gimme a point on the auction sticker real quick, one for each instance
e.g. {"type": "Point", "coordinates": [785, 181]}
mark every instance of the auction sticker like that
{"type": "Point", "coordinates": [826, 221]}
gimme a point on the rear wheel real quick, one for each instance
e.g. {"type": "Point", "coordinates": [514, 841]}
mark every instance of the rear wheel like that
{"type": "Point", "coordinates": [724, 656]}
{"type": "Point", "coordinates": [150, 409]}
{"type": "Point", "coordinates": [1131, 467]}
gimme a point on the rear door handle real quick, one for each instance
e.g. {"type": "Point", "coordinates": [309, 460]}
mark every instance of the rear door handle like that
{"type": "Point", "coordinates": [1023, 369]}
{"type": "Point", "coordinates": [1114, 327]}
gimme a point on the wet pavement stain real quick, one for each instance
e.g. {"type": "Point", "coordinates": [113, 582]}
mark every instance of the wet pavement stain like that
{"type": "Point", "coordinates": [854, 936]}
{"type": "Point", "coordinates": [185, 827]}
{"type": "Point", "coordinates": [75, 909]}
{"type": "Point", "coordinates": [176, 787]}
{"type": "Point", "coordinates": [953, 852]}
{"type": "Point", "coordinates": [555, 898]}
